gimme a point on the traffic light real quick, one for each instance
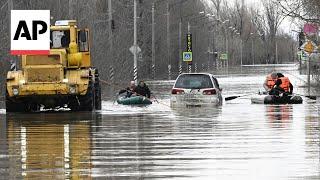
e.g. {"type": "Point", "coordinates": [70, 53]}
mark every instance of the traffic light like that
{"type": "Point", "coordinates": [112, 25]}
{"type": "Point", "coordinates": [215, 54]}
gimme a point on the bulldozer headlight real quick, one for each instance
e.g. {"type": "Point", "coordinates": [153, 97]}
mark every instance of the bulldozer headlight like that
{"type": "Point", "coordinates": [15, 91]}
{"type": "Point", "coordinates": [22, 81]}
{"type": "Point", "coordinates": [85, 74]}
{"type": "Point", "coordinates": [73, 89]}
{"type": "Point", "coordinates": [10, 78]}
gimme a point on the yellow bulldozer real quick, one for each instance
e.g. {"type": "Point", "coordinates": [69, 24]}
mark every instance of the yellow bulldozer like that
{"type": "Point", "coordinates": [64, 78]}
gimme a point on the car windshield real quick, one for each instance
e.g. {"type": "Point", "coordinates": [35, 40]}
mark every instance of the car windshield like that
{"type": "Point", "coordinates": [194, 81]}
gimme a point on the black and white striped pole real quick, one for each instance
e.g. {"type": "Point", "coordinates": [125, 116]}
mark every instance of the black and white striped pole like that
{"type": "Point", "coordinates": [169, 71]}
{"type": "Point", "coordinates": [13, 66]}
{"type": "Point", "coordinates": [135, 74]}
{"type": "Point", "coordinates": [153, 71]}
{"type": "Point", "coordinates": [180, 68]}
{"type": "Point", "coordinates": [111, 73]}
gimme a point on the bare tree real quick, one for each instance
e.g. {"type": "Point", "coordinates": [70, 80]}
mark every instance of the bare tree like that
{"type": "Point", "coordinates": [307, 10]}
{"type": "Point", "coordinates": [274, 19]}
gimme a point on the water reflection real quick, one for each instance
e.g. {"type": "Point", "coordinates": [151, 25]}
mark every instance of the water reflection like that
{"type": "Point", "coordinates": [279, 116]}
{"type": "Point", "coordinates": [197, 112]}
{"type": "Point", "coordinates": [50, 146]}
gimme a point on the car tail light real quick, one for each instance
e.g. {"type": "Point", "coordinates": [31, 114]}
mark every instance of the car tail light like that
{"type": "Point", "coordinates": [177, 91]}
{"type": "Point", "coordinates": [210, 92]}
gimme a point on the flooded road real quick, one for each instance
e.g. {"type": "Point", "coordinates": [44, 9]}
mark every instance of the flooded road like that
{"type": "Point", "coordinates": [239, 140]}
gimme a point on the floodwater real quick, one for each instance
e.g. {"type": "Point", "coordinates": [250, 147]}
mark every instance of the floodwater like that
{"type": "Point", "coordinates": [238, 140]}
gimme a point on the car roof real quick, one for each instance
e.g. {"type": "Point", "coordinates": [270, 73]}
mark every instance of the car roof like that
{"type": "Point", "coordinates": [197, 74]}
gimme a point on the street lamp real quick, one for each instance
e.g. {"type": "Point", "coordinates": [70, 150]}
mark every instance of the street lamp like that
{"type": "Point", "coordinates": [226, 38]}
{"type": "Point", "coordinates": [241, 49]}
{"type": "Point", "coordinates": [252, 55]}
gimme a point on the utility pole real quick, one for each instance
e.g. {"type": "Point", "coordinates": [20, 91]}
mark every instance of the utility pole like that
{"type": "Point", "coordinates": [70, 9]}
{"type": "Point", "coordinates": [110, 37]}
{"type": "Point", "coordinates": [180, 37]}
{"type": "Point", "coordinates": [226, 44]}
{"type": "Point", "coordinates": [213, 47]}
{"type": "Point", "coordinates": [180, 46]}
{"type": "Point", "coordinates": [135, 63]}
{"type": "Point", "coordinates": [252, 53]}
{"type": "Point", "coordinates": [241, 51]}
{"type": "Point", "coordinates": [153, 43]}
{"type": "Point", "coordinates": [209, 47]}
{"type": "Point", "coordinates": [227, 50]}
{"type": "Point", "coordinates": [277, 58]}
{"type": "Point", "coordinates": [168, 41]}
{"type": "Point", "coordinates": [110, 24]}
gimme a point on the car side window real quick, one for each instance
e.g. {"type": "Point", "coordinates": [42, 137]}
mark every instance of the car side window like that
{"type": "Point", "coordinates": [215, 81]}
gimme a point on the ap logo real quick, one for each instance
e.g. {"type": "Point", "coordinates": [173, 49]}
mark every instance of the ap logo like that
{"type": "Point", "coordinates": [30, 32]}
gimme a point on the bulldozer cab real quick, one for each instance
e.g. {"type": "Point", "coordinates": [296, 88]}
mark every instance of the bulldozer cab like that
{"type": "Point", "coordinates": [67, 38]}
{"type": "Point", "coordinates": [60, 37]}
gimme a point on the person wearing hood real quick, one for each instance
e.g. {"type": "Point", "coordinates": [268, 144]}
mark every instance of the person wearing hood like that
{"type": "Point", "coordinates": [142, 90]}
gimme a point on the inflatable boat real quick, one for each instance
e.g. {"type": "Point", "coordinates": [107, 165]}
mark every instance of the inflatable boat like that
{"type": "Point", "coordinates": [134, 100]}
{"type": "Point", "coordinates": [272, 99]}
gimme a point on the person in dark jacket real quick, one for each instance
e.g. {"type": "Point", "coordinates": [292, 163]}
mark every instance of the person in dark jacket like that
{"type": "Point", "coordinates": [142, 90]}
{"type": "Point", "coordinates": [129, 90]}
{"type": "Point", "coordinates": [276, 90]}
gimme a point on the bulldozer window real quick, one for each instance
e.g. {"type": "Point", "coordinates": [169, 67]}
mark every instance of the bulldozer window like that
{"type": "Point", "coordinates": [83, 41]}
{"type": "Point", "coordinates": [59, 39]}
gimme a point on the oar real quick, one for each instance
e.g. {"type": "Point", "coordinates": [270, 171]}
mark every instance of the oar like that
{"type": "Point", "coordinates": [156, 100]}
{"type": "Point", "coordinates": [116, 98]}
{"type": "Point", "coordinates": [310, 97]}
{"type": "Point", "coordinates": [235, 97]}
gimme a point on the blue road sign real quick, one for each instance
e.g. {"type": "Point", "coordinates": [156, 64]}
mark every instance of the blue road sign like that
{"type": "Point", "coordinates": [187, 56]}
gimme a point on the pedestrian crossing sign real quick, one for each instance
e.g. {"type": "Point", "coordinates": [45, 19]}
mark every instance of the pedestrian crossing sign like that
{"type": "Point", "coordinates": [187, 56]}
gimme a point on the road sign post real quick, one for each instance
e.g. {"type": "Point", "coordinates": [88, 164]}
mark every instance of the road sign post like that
{"type": "Point", "coordinates": [187, 56]}
{"type": "Point", "coordinates": [309, 48]}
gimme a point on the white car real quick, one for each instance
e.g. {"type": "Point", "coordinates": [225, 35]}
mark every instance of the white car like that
{"type": "Point", "coordinates": [196, 89]}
